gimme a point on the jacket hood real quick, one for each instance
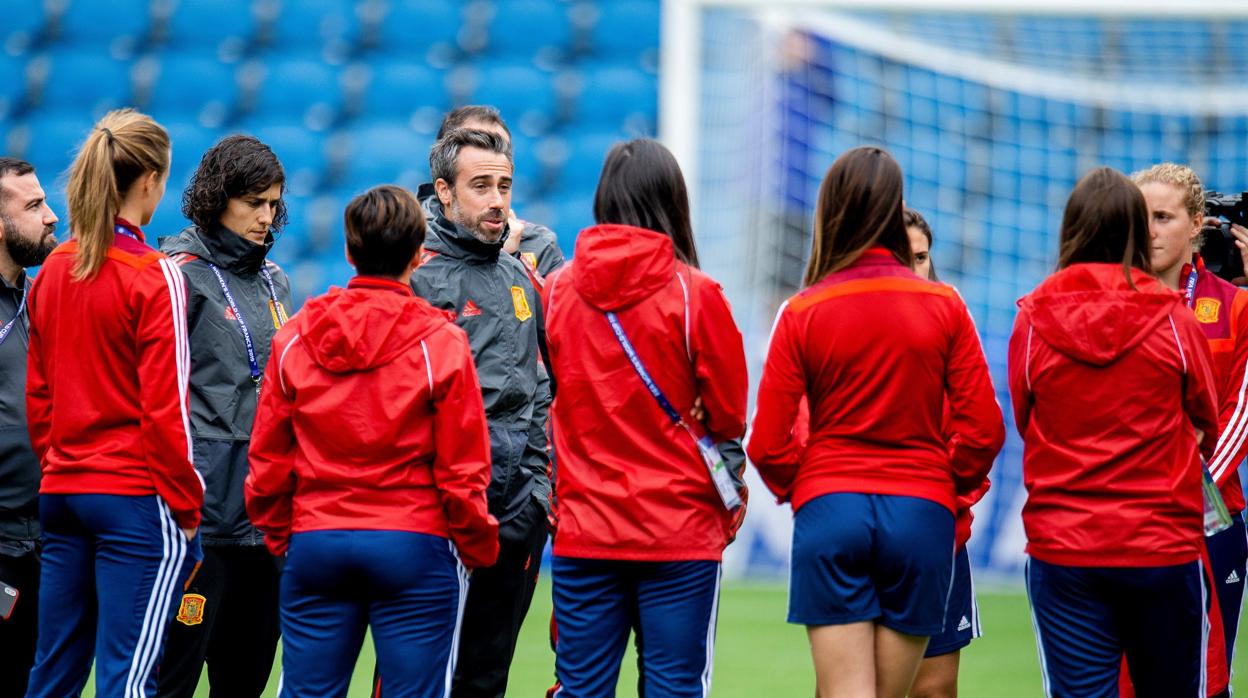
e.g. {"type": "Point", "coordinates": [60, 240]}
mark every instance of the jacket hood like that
{"type": "Point", "coordinates": [366, 325]}
{"type": "Point", "coordinates": [449, 238]}
{"type": "Point", "coordinates": [619, 265]}
{"type": "Point", "coordinates": [220, 246]}
{"type": "Point", "coordinates": [1089, 313]}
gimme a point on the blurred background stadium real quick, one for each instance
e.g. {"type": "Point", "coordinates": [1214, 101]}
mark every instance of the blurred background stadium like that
{"type": "Point", "coordinates": [993, 109]}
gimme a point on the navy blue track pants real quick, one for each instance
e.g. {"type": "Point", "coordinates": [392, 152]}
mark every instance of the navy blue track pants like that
{"type": "Point", "coordinates": [408, 587]}
{"type": "Point", "coordinates": [113, 568]}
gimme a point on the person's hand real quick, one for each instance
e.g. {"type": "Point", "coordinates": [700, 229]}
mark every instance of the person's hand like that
{"type": "Point", "coordinates": [698, 412]}
{"type": "Point", "coordinates": [516, 227]}
{"type": "Point", "coordinates": [190, 533]}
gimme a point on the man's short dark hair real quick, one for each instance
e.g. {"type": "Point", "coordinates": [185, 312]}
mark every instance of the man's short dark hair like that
{"type": "Point", "coordinates": [444, 156]}
{"type": "Point", "coordinates": [385, 226]}
{"type": "Point", "coordinates": [235, 166]}
{"type": "Point", "coordinates": [15, 167]}
{"type": "Point", "coordinates": [456, 118]}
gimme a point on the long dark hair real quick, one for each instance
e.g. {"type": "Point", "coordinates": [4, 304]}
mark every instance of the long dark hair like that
{"type": "Point", "coordinates": [860, 205]}
{"type": "Point", "coordinates": [1106, 221]}
{"type": "Point", "coordinates": [641, 185]}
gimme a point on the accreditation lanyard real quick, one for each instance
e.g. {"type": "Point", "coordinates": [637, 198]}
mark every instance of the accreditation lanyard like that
{"type": "Point", "coordinates": [8, 326]}
{"type": "Point", "coordinates": [1190, 290]}
{"type": "Point", "coordinates": [123, 230]}
{"type": "Point", "coordinates": [253, 364]}
{"type": "Point", "coordinates": [720, 477]}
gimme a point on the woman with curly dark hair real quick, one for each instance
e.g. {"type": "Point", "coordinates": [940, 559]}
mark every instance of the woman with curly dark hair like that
{"type": "Point", "coordinates": [237, 302]}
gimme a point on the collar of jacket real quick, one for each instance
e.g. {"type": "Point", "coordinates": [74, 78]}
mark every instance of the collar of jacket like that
{"type": "Point", "coordinates": [450, 238]}
{"type": "Point", "coordinates": [22, 283]}
{"type": "Point", "coordinates": [232, 251]}
{"type": "Point", "coordinates": [378, 283]}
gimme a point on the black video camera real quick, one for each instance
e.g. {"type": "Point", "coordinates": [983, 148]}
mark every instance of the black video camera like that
{"type": "Point", "coordinates": [1219, 251]}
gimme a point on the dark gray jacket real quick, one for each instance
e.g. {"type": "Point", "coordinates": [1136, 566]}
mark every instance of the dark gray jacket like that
{"type": "Point", "coordinates": [19, 468]}
{"type": "Point", "coordinates": [495, 303]}
{"type": "Point", "coordinates": [223, 395]}
{"type": "Point", "coordinates": [541, 246]}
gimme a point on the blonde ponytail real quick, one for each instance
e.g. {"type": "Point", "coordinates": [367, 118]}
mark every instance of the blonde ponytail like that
{"type": "Point", "coordinates": [121, 148]}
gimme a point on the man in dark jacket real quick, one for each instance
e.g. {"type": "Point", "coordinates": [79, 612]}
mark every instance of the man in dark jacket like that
{"type": "Point", "coordinates": [237, 300]}
{"type": "Point", "coordinates": [531, 243]}
{"type": "Point", "coordinates": [464, 271]}
{"type": "Point", "coordinates": [27, 236]}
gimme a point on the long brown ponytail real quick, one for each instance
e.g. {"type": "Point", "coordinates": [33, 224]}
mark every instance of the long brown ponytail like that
{"type": "Point", "coordinates": [122, 147]}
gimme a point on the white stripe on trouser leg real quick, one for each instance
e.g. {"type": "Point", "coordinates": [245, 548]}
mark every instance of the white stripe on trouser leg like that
{"type": "Point", "coordinates": [152, 632]}
{"type": "Point", "coordinates": [1204, 630]}
{"type": "Point", "coordinates": [281, 682]}
{"type": "Point", "coordinates": [462, 573]}
{"type": "Point", "coordinates": [710, 635]}
{"type": "Point", "coordinates": [1035, 626]}
{"type": "Point", "coordinates": [160, 623]}
{"type": "Point", "coordinates": [977, 631]}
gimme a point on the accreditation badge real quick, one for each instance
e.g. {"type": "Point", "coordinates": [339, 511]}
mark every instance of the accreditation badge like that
{"type": "Point", "coordinates": [521, 303]}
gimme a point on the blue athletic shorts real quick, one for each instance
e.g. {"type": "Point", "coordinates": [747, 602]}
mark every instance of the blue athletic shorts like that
{"type": "Point", "coordinates": [870, 557]}
{"type": "Point", "coordinates": [961, 614]}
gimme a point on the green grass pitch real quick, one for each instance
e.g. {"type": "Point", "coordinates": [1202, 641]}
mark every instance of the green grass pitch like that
{"type": "Point", "coordinates": [758, 654]}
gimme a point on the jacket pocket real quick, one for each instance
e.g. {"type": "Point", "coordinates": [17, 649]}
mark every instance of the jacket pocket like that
{"type": "Point", "coordinates": [223, 463]}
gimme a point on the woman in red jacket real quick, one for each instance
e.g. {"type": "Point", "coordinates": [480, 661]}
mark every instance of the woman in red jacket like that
{"type": "Point", "coordinates": [369, 461]}
{"type": "Point", "coordinates": [107, 405]}
{"type": "Point", "coordinates": [877, 352]}
{"type": "Point", "coordinates": [642, 526]}
{"type": "Point", "coordinates": [1113, 392]}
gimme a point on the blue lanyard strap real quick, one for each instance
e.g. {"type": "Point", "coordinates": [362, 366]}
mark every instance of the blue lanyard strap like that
{"type": "Point", "coordinates": [1190, 291]}
{"type": "Point", "coordinates": [8, 326]}
{"type": "Point", "coordinates": [659, 397]}
{"type": "Point", "coordinates": [123, 230]}
{"type": "Point", "coordinates": [252, 363]}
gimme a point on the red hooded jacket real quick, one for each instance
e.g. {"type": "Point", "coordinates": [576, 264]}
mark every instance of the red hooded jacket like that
{"type": "Point", "coordinates": [878, 352]}
{"type": "Point", "coordinates": [630, 484]}
{"type": "Point", "coordinates": [371, 419]}
{"type": "Point", "coordinates": [107, 375]}
{"type": "Point", "coordinates": [1109, 386]}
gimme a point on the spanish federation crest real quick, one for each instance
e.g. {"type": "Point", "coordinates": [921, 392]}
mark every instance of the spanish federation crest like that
{"type": "Point", "coordinates": [529, 258]}
{"type": "Point", "coordinates": [1206, 310]}
{"type": "Point", "coordinates": [191, 612]}
{"type": "Point", "coordinates": [521, 303]}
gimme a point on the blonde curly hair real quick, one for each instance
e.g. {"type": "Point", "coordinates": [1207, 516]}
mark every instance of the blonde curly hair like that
{"type": "Point", "coordinates": [1185, 180]}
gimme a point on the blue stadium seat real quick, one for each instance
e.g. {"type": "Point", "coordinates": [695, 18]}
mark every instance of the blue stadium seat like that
{"type": "Point", "coordinates": [412, 26]}
{"type": "Point", "coordinates": [22, 21]}
{"type": "Point", "coordinates": [398, 88]}
{"type": "Point", "coordinates": [290, 88]}
{"type": "Point", "coordinates": [209, 22]}
{"type": "Point", "coordinates": [517, 90]}
{"type": "Point", "coordinates": [95, 24]}
{"type": "Point", "coordinates": [610, 95]}
{"type": "Point", "coordinates": [53, 139]}
{"type": "Point", "coordinates": [313, 24]}
{"type": "Point", "coordinates": [587, 151]}
{"type": "Point", "coordinates": [13, 86]}
{"type": "Point", "coordinates": [523, 27]}
{"type": "Point", "coordinates": [190, 82]}
{"type": "Point", "coordinates": [85, 80]}
{"type": "Point", "coordinates": [387, 152]}
{"type": "Point", "coordinates": [572, 214]}
{"type": "Point", "coordinates": [626, 28]}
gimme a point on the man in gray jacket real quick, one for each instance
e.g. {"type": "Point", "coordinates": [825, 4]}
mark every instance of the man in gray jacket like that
{"type": "Point", "coordinates": [466, 272]}
{"type": "Point", "coordinates": [27, 237]}
{"type": "Point", "coordinates": [531, 243]}
{"type": "Point", "coordinates": [237, 300]}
